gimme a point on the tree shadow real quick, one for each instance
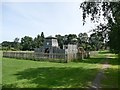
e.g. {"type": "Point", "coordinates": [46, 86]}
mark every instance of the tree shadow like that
{"type": "Point", "coordinates": [54, 77]}
{"type": "Point", "coordinates": [111, 79]}
{"type": "Point", "coordinates": [111, 61]}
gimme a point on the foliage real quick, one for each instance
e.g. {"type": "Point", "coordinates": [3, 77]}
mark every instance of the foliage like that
{"type": "Point", "coordinates": [42, 37]}
{"type": "Point", "coordinates": [17, 44]}
{"type": "Point", "coordinates": [83, 37]}
{"type": "Point", "coordinates": [96, 40]}
{"type": "Point", "coordinates": [111, 12]}
{"type": "Point", "coordinates": [29, 43]}
{"type": "Point", "coordinates": [114, 37]}
{"type": "Point", "coordinates": [72, 39]}
{"type": "Point", "coordinates": [6, 45]}
{"type": "Point", "coordinates": [83, 40]}
{"type": "Point", "coordinates": [37, 41]}
{"type": "Point", "coordinates": [26, 43]}
{"type": "Point", "coordinates": [60, 40]}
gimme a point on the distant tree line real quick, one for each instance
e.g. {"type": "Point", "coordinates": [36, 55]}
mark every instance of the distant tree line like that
{"type": "Point", "coordinates": [94, 42]}
{"type": "Point", "coordinates": [26, 43]}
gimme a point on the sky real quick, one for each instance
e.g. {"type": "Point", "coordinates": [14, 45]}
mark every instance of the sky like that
{"type": "Point", "coordinates": [21, 19]}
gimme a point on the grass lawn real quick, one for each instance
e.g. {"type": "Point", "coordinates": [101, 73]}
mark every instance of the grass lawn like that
{"type": "Point", "coordinates": [36, 74]}
{"type": "Point", "coordinates": [111, 78]}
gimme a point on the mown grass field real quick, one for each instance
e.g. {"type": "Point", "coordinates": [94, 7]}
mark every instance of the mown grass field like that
{"type": "Point", "coordinates": [112, 74]}
{"type": "Point", "coordinates": [18, 73]}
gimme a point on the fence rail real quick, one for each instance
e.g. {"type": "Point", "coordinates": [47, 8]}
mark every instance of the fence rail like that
{"type": "Point", "coordinates": [57, 57]}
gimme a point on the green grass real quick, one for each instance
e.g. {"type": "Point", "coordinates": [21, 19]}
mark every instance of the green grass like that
{"type": "Point", "coordinates": [18, 73]}
{"type": "Point", "coordinates": [26, 73]}
{"type": "Point", "coordinates": [111, 78]}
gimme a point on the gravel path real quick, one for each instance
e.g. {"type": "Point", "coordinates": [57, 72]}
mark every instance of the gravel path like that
{"type": "Point", "coordinates": [99, 77]}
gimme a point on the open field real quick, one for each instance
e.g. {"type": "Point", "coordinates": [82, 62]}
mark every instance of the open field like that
{"type": "Point", "coordinates": [35, 74]}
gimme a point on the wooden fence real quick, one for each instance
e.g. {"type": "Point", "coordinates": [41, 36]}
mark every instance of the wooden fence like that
{"type": "Point", "coordinates": [55, 57]}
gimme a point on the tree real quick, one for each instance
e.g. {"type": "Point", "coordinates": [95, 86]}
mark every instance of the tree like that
{"type": "Point", "coordinates": [83, 40]}
{"type": "Point", "coordinates": [111, 13]}
{"type": "Point", "coordinates": [7, 45]}
{"type": "Point", "coordinates": [27, 43]}
{"type": "Point", "coordinates": [72, 39]}
{"type": "Point", "coordinates": [114, 37]}
{"type": "Point", "coordinates": [42, 37]}
{"type": "Point", "coordinates": [38, 41]}
{"type": "Point", "coordinates": [96, 41]}
{"type": "Point", "coordinates": [16, 44]}
{"type": "Point", "coordinates": [65, 39]}
{"type": "Point", "coordinates": [60, 40]}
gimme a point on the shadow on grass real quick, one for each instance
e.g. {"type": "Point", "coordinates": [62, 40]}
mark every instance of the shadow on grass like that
{"type": "Point", "coordinates": [54, 77]}
{"type": "Point", "coordinates": [112, 61]}
{"type": "Point", "coordinates": [111, 79]}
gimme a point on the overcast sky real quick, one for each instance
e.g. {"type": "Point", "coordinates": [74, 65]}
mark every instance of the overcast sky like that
{"type": "Point", "coordinates": [21, 19]}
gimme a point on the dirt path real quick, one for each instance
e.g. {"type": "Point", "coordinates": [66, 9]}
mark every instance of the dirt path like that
{"type": "Point", "coordinates": [99, 77]}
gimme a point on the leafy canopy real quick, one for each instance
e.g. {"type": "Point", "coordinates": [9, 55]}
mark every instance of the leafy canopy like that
{"type": "Point", "coordinates": [110, 11]}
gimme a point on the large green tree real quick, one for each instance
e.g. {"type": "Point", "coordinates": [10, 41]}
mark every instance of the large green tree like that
{"type": "Point", "coordinates": [7, 45]}
{"type": "Point", "coordinates": [16, 44]}
{"type": "Point", "coordinates": [83, 40]}
{"type": "Point", "coordinates": [60, 40]}
{"type": "Point", "coordinates": [27, 43]}
{"type": "Point", "coordinates": [96, 41]}
{"type": "Point", "coordinates": [72, 39]}
{"type": "Point", "coordinates": [111, 14]}
{"type": "Point", "coordinates": [38, 41]}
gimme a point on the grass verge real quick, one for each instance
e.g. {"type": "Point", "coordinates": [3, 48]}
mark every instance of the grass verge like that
{"type": "Point", "coordinates": [33, 74]}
